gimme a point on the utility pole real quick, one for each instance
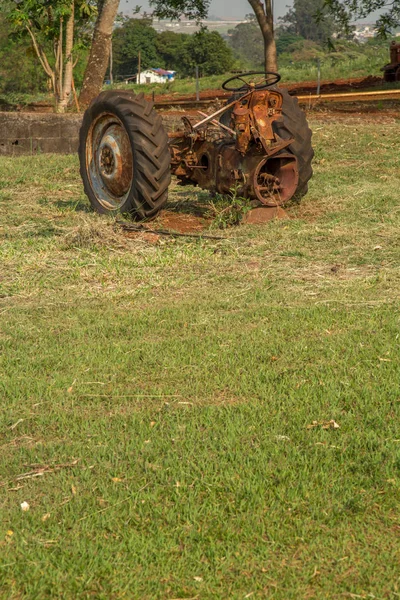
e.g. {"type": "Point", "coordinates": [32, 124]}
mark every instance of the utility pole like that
{"type": "Point", "coordinates": [318, 76]}
{"type": "Point", "coordinates": [197, 84]}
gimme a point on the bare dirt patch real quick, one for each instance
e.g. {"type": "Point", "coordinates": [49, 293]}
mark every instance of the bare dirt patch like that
{"type": "Point", "coordinates": [181, 222]}
{"type": "Point", "coordinates": [357, 111]}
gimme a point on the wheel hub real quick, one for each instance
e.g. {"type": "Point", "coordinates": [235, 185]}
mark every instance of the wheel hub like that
{"type": "Point", "coordinates": [107, 160]}
{"type": "Point", "coordinates": [115, 160]}
{"type": "Point", "coordinates": [110, 161]}
{"type": "Point", "coordinates": [275, 179]}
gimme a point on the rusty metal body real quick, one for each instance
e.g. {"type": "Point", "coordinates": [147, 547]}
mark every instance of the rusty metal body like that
{"type": "Point", "coordinates": [247, 156]}
{"type": "Point", "coordinates": [391, 71]}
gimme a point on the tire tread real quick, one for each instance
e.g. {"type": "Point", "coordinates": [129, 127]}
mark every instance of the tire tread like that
{"type": "Point", "coordinates": [151, 156]}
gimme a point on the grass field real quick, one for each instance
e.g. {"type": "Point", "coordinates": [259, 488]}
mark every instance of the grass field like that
{"type": "Point", "coordinates": [166, 407]}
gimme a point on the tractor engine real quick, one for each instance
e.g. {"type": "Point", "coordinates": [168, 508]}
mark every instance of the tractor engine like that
{"type": "Point", "coordinates": [247, 157]}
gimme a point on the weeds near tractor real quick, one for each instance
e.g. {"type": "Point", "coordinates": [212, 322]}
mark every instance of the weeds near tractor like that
{"type": "Point", "coordinates": [200, 418]}
{"type": "Point", "coordinates": [227, 211]}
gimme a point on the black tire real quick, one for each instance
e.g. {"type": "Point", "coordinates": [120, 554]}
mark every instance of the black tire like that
{"type": "Point", "coordinates": [294, 125]}
{"type": "Point", "coordinates": [124, 155]}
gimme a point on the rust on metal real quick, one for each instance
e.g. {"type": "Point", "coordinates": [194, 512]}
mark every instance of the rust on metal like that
{"type": "Point", "coordinates": [350, 97]}
{"type": "Point", "coordinates": [391, 71]}
{"type": "Point", "coordinates": [245, 155]}
{"type": "Point", "coordinates": [110, 161]}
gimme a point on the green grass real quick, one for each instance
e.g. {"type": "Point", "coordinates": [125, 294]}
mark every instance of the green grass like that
{"type": "Point", "coordinates": [165, 391]}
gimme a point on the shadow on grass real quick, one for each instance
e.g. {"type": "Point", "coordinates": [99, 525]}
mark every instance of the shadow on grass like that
{"type": "Point", "coordinates": [73, 206]}
{"type": "Point", "coordinates": [190, 202]}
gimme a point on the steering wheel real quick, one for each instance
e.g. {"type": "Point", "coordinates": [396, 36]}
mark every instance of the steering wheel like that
{"type": "Point", "coordinates": [268, 78]}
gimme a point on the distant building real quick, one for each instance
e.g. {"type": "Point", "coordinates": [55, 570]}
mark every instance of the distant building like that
{"type": "Point", "coordinates": [364, 32]}
{"type": "Point", "coordinates": [153, 76]}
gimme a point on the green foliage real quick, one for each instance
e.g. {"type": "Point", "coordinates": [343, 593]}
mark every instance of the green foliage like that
{"type": "Point", "coordinates": [44, 16]}
{"type": "Point", "coordinates": [247, 42]}
{"type": "Point", "coordinates": [28, 78]}
{"type": "Point", "coordinates": [303, 51]}
{"type": "Point", "coordinates": [174, 9]}
{"type": "Point", "coordinates": [346, 11]}
{"type": "Point", "coordinates": [248, 45]}
{"type": "Point", "coordinates": [175, 51]}
{"type": "Point", "coordinates": [36, 42]}
{"type": "Point", "coordinates": [344, 59]}
{"type": "Point", "coordinates": [210, 52]}
{"type": "Point", "coordinates": [302, 21]}
{"type": "Point", "coordinates": [228, 210]}
{"type": "Point", "coordinates": [285, 40]}
{"type": "Point", "coordinates": [134, 36]}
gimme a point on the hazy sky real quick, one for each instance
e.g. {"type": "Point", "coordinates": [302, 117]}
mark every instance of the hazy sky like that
{"type": "Point", "coordinates": [220, 8]}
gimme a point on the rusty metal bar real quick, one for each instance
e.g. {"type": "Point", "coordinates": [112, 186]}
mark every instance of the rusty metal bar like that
{"type": "Point", "coordinates": [341, 97]}
{"type": "Point", "coordinates": [176, 134]}
{"type": "Point", "coordinates": [215, 122]}
{"type": "Point", "coordinates": [352, 96]}
{"type": "Point", "coordinates": [221, 111]}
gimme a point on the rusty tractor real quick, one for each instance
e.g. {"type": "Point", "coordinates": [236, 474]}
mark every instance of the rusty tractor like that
{"type": "Point", "coordinates": [391, 71]}
{"type": "Point", "coordinates": [258, 144]}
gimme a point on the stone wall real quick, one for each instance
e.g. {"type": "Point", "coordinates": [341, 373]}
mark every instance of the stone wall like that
{"type": "Point", "coordinates": [33, 133]}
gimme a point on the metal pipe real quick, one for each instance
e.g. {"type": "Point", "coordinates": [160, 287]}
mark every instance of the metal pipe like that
{"type": "Point", "coordinates": [352, 96]}
{"type": "Point", "coordinates": [221, 111]}
{"type": "Point", "coordinates": [215, 122]}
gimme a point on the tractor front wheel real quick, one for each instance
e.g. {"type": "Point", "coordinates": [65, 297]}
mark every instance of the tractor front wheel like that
{"type": "Point", "coordinates": [124, 155]}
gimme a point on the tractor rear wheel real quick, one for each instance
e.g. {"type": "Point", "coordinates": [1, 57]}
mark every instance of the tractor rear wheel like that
{"type": "Point", "coordinates": [124, 155]}
{"type": "Point", "coordinates": [294, 125]}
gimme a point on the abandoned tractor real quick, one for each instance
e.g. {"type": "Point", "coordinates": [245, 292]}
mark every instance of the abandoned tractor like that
{"type": "Point", "coordinates": [391, 71]}
{"type": "Point", "coordinates": [258, 145]}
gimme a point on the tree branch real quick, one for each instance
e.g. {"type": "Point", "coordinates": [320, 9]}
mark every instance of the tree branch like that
{"type": "Point", "coordinates": [40, 54]}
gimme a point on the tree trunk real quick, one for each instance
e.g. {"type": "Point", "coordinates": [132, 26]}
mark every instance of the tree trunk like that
{"type": "Point", "coordinates": [100, 53]}
{"type": "Point", "coordinates": [66, 85]}
{"type": "Point", "coordinates": [265, 20]}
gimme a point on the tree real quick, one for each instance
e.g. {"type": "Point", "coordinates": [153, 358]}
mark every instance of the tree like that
{"type": "Point", "coordinates": [134, 36]}
{"type": "Point", "coordinates": [265, 20]}
{"type": "Point", "coordinates": [301, 20]}
{"type": "Point", "coordinates": [176, 51]}
{"type": "Point", "coordinates": [51, 25]}
{"type": "Point", "coordinates": [210, 52]}
{"type": "Point", "coordinates": [174, 9]}
{"type": "Point", "coordinates": [247, 42]}
{"type": "Point", "coordinates": [285, 40]}
{"type": "Point", "coordinates": [99, 52]}
{"type": "Point", "coordinates": [346, 11]}
{"type": "Point", "coordinates": [29, 78]}
{"type": "Point", "coordinates": [173, 50]}
{"type": "Point", "coordinates": [198, 9]}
